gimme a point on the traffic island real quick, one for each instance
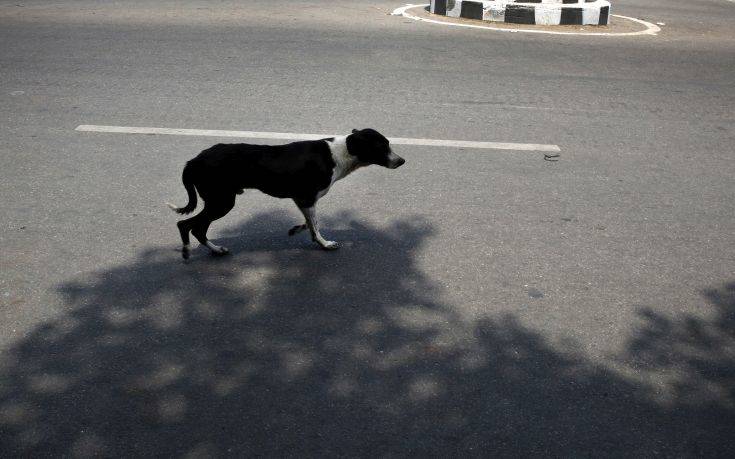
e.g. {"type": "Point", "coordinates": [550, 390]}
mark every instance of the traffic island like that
{"type": "Point", "coordinates": [541, 22]}
{"type": "Point", "coordinates": [532, 12]}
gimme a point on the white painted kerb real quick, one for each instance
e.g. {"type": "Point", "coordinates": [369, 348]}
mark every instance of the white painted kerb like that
{"type": "Point", "coordinates": [651, 29]}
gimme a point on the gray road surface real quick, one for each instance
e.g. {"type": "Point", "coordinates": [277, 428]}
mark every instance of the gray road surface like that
{"type": "Point", "coordinates": [485, 303]}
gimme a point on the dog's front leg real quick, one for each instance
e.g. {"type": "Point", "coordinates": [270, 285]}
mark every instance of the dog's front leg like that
{"type": "Point", "coordinates": [297, 229]}
{"type": "Point", "coordinates": [313, 224]}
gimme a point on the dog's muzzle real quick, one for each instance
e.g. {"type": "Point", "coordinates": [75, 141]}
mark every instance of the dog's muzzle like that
{"type": "Point", "coordinates": [395, 161]}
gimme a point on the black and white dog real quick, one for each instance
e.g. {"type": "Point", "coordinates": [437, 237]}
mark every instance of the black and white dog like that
{"type": "Point", "coordinates": [302, 171]}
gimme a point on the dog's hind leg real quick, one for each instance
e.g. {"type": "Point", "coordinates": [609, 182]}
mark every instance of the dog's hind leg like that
{"type": "Point", "coordinates": [184, 228]}
{"type": "Point", "coordinates": [215, 208]}
{"type": "Point", "coordinates": [313, 224]}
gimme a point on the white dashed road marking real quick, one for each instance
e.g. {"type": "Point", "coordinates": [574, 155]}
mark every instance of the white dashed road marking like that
{"type": "Point", "coordinates": [301, 136]}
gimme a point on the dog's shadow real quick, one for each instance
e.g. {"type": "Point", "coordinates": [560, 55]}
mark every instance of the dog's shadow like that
{"type": "Point", "coordinates": [269, 232]}
{"type": "Point", "coordinates": [282, 349]}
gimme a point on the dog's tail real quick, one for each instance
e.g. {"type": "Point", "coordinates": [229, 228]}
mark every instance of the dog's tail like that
{"type": "Point", "coordinates": [188, 178]}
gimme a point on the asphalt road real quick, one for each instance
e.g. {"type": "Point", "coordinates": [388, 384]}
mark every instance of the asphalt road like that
{"type": "Point", "coordinates": [485, 302]}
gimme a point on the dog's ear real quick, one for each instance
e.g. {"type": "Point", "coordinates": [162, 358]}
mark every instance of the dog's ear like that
{"type": "Point", "coordinates": [355, 145]}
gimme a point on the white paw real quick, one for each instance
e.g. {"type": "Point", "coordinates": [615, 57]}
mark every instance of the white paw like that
{"type": "Point", "coordinates": [330, 245]}
{"type": "Point", "coordinates": [217, 249]}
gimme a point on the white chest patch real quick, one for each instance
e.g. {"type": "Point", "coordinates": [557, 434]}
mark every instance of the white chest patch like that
{"type": "Point", "coordinates": [344, 163]}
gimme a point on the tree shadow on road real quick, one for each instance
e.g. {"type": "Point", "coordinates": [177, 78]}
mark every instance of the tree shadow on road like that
{"type": "Point", "coordinates": [284, 350]}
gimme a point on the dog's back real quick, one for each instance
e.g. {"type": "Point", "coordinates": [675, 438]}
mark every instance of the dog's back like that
{"type": "Point", "coordinates": [283, 171]}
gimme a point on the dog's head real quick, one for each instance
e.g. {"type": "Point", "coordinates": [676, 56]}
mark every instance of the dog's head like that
{"type": "Point", "coordinates": [370, 147]}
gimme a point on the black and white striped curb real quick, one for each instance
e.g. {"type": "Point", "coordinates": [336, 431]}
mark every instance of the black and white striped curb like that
{"type": "Point", "coordinates": [539, 12]}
